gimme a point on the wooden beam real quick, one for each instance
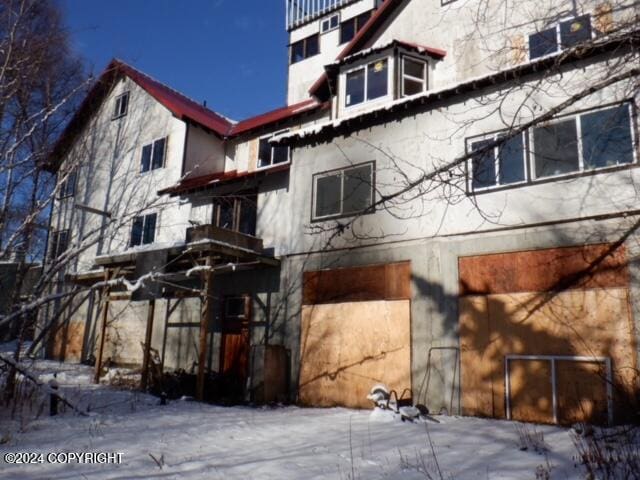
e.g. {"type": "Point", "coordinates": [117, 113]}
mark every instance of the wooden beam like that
{"type": "Point", "coordinates": [103, 328]}
{"type": "Point", "coordinates": [207, 308]}
{"type": "Point", "coordinates": [144, 382]}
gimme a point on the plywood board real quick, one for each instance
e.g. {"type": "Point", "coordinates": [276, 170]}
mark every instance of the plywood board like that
{"type": "Point", "coordinates": [582, 392]}
{"type": "Point", "coordinates": [346, 348]}
{"type": "Point", "coordinates": [68, 340]}
{"type": "Point", "coordinates": [531, 391]}
{"type": "Point", "coordinates": [594, 322]}
{"type": "Point", "coordinates": [591, 266]}
{"type": "Point", "coordinates": [390, 281]}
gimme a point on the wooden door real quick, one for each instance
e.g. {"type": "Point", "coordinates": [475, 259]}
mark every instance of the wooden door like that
{"type": "Point", "coordinates": [234, 351]}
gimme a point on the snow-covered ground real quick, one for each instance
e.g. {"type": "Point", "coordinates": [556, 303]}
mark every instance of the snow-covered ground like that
{"type": "Point", "coordinates": [189, 440]}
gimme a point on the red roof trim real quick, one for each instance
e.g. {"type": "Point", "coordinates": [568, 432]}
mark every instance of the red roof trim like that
{"type": "Point", "coordinates": [274, 116]}
{"type": "Point", "coordinates": [361, 37]}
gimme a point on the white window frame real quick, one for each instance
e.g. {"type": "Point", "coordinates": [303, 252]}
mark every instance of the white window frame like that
{"type": "Point", "coordinates": [164, 155]}
{"type": "Point", "coordinates": [328, 21]}
{"type": "Point", "coordinates": [272, 165]}
{"type": "Point", "coordinates": [366, 66]}
{"type": "Point", "coordinates": [403, 75]}
{"type": "Point", "coordinates": [144, 220]}
{"type": "Point", "coordinates": [559, 47]}
{"type": "Point", "coordinates": [496, 152]}
{"type": "Point", "coordinates": [118, 105]}
{"type": "Point", "coordinates": [341, 171]}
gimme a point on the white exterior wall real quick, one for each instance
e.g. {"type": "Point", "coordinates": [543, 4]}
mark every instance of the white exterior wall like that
{"type": "Point", "coordinates": [108, 153]}
{"type": "Point", "coordinates": [205, 153]}
{"type": "Point", "coordinates": [303, 74]}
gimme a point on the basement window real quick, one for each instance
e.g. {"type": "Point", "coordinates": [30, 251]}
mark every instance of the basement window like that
{"type": "Point", "coordinates": [121, 105]}
{"type": "Point", "coordinates": [153, 155]}
{"type": "Point", "coordinates": [565, 34]}
{"type": "Point", "coordinates": [367, 83]}
{"type": "Point", "coordinates": [270, 155]}
{"type": "Point", "coordinates": [349, 28]}
{"type": "Point", "coordinates": [343, 192]}
{"type": "Point", "coordinates": [305, 48]}
{"type": "Point", "coordinates": [414, 76]}
{"type": "Point", "coordinates": [59, 243]}
{"type": "Point", "coordinates": [143, 230]}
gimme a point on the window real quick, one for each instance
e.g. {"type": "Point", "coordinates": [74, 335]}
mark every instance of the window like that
{"type": "Point", "coordinates": [330, 23]}
{"type": "Point", "coordinates": [236, 212]}
{"type": "Point", "coordinates": [503, 164]}
{"type": "Point", "coordinates": [305, 48]}
{"type": "Point", "coordinates": [269, 155]}
{"type": "Point", "coordinates": [349, 28]}
{"type": "Point", "coordinates": [605, 141]}
{"type": "Point", "coordinates": [121, 106]}
{"type": "Point", "coordinates": [414, 76]}
{"type": "Point", "coordinates": [68, 186]}
{"type": "Point", "coordinates": [566, 34]}
{"type": "Point", "coordinates": [584, 142]}
{"type": "Point", "coordinates": [367, 83]}
{"type": "Point", "coordinates": [153, 155]}
{"type": "Point", "coordinates": [143, 230]}
{"type": "Point", "coordinates": [343, 192]}
{"type": "Point", "coordinates": [59, 243]}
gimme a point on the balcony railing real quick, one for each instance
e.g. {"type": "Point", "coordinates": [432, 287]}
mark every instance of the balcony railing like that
{"type": "Point", "coordinates": [300, 12]}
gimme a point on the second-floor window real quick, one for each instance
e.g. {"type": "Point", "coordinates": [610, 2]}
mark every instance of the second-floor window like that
{"type": "Point", "coordinates": [121, 105]}
{"type": "Point", "coordinates": [143, 230]}
{"type": "Point", "coordinates": [59, 243]}
{"type": "Point", "coordinates": [565, 34]}
{"type": "Point", "coordinates": [330, 23]}
{"type": "Point", "coordinates": [305, 48]}
{"type": "Point", "coordinates": [367, 83]}
{"type": "Point", "coordinates": [236, 212]}
{"type": "Point", "coordinates": [153, 155]}
{"type": "Point", "coordinates": [414, 76]}
{"type": "Point", "coordinates": [347, 191]}
{"type": "Point", "coordinates": [269, 155]}
{"type": "Point", "coordinates": [588, 141]}
{"type": "Point", "coordinates": [68, 186]}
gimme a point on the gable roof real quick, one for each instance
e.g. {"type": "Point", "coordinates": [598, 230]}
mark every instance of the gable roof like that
{"type": "Point", "coordinates": [321, 87]}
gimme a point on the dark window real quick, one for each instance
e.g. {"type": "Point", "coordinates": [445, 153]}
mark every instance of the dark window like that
{"type": "Point", "coordinates": [414, 76]}
{"type": "Point", "coordinates": [269, 154]}
{"type": "Point", "coordinates": [543, 43]}
{"type": "Point", "coordinates": [59, 243]}
{"type": "Point", "coordinates": [483, 164]}
{"type": "Point", "coordinates": [68, 185]}
{"type": "Point", "coordinates": [556, 149]}
{"type": "Point", "coordinates": [355, 87]}
{"type": "Point", "coordinates": [377, 80]}
{"type": "Point", "coordinates": [305, 48]}
{"type": "Point", "coordinates": [330, 23]}
{"type": "Point", "coordinates": [606, 137]}
{"type": "Point", "coordinates": [344, 192]}
{"type": "Point", "coordinates": [235, 307]}
{"type": "Point", "coordinates": [349, 28]}
{"type": "Point", "coordinates": [510, 167]}
{"type": "Point", "coordinates": [153, 155]}
{"type": "Point", "coordinates": [143, 229]}
{"type": "Point", "coordinates": [121, 105]}
{"type": "Point", "coordinates": [237, 213]}
{"type": "Point", "coordinates": [511, 160]}
{"type": "Point", "coordinates": [575, 31]}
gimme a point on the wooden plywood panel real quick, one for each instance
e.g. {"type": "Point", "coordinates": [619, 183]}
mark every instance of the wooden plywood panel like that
{"type": "Point", "coordinates": [253, 154]}
{"type": "Point", "coordinates": [348, 347]}
{"type": "Point", "coordinates": [582, 392]}
{"type": "Point", "coordinates": [373, 282]}
{"type": "Point", "coordinates": [574, 323]}
{"type": "Point", "coordinates": [67, 344]}
{"type": "Point", "coordinates": [531, 391]}
{"type": "Point", "coordinates": [275, 373]}
{"type": "Point", "coordinates": [591, 266]}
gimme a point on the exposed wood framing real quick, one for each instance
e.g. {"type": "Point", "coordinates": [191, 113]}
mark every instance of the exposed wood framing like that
{"type": "Point", "coordinates": [147, 345]}
{"type": "Point", "coordinates": [207, 308]}
{"type": "Point", "coordinates": [103, 327]}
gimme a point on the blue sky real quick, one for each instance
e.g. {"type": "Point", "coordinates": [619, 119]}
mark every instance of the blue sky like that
{"type": "Point", "coordinates": [231, 53]}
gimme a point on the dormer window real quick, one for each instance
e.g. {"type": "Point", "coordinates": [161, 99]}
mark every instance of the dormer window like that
{"type": "Point", "coordinates": [565, 34]}
{"type": "Point", "coordinates": [414, 76]}
{"type": "Point", "coordinates": [121, 105]}
{"type": "Point", "coordinates": [367, 83]}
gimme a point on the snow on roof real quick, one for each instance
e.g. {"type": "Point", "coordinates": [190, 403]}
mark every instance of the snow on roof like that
{"type": "Point", "coordinates": [422, 49]}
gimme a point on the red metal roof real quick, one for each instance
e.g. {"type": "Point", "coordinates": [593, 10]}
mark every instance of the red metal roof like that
{"type": "Point", "coordinates": [180, 105]}
{"type": "Point", "coordinates": [364, 35]}
{"type": "Point", "coordinates": [274, 116]}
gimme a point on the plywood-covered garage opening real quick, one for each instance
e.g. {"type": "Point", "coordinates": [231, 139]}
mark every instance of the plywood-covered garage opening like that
{"type": "Point", "coordinates": [524, 309]}
{"type": "Point", "coordinates": [356, 332]}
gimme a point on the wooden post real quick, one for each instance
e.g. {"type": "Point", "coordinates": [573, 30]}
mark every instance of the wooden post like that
{"type": "Point", "coordinates": [103, 328]}
{"type": "Point", "coordinates": [207, 308]}
{"type": "Point", "coordinates": [147, 345]}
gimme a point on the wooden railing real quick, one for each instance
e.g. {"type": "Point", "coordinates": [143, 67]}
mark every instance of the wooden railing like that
{"type": "Point", "coordinates": [237, 239]}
